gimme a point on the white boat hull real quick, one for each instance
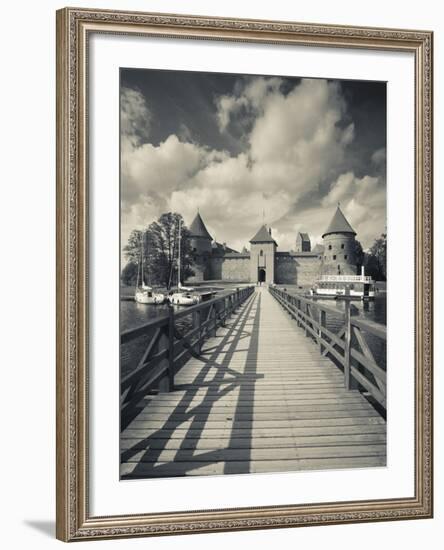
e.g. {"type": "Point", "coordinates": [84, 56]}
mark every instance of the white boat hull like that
{"type": "Point", "coordinates": [334, 293]}
{"type": "Point", "coordinates": [359, 287]}
{"type": "Point", "coordinates": [180, 299]}
{"type": "Point", "coordinates": [145, 297]}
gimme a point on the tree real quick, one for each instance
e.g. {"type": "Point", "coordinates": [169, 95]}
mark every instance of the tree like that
{"type": "Point", "coordinates": [359, 255]}
{"type": "Point", "coordinates": [377, 259]}
{"type": "Point", "coordinates": [129, 274]}
{"type": "Point", "coordinates": [132, 249]}
{"type": "Point", "coordinates": [132, 253]}
{"type": "Point", "coordinates": [163, 249]}
{"type": "Point", "coordinates": [160, 250]}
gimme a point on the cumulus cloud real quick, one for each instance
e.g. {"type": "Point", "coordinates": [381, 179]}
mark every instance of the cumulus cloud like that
{"type": "Point", "coordinates": [249, 103]}
{"type": "Point", "coordinates": [295, 142]}
{"type": "Point", "coordinates": [135, 117]}
{"type": "Point", "coordinates": [152, 174]}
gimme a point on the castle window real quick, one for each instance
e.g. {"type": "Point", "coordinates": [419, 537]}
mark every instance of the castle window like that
{"type": "Point", "coordinates": [194, 249]}
{"type": "Point", "coordinates": [334, 256]}
{"type": "Point", "coordinates": [345, 256]}
{"type": "Point", "coordinates": [329, 246]}
{"type": "Point", "coordinates": [261, 253]}
{"type": "Point", "coordinates": [342, 246]}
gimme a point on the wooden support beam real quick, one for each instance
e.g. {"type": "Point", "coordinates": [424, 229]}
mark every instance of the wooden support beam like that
{"type": "Point", "coordinates": [171, 349]}
{"type": "Point", "coordinates": [347, 342]}
{"type": "Point", "coordinates": [322, 324]}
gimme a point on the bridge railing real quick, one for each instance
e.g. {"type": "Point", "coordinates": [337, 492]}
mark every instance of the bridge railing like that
{"type": "Point", "coordinates": [152, 353]}
{"type": "Point", "coordinates": [349, 347]}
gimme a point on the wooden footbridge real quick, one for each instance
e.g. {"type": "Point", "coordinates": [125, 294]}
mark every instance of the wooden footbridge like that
{"type": "Point", "coordinates": [253, 381]}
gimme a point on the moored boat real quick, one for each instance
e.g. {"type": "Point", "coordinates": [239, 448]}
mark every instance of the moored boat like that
{"type": "Point", "coordinates": [359, 287]}
{"type": "Point", "coordinates": [144, 294]}
{"type": "Point", "coordinates": [184, 298]}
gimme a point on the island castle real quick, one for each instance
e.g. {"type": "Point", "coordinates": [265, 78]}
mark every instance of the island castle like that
{"type": "Point", "coordinates": [265, 264]}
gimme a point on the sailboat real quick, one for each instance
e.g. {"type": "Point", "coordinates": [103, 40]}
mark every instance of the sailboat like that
{"type": "Point", "coordinates": [183, 296]}
{"type": "Point", "coordinates": [144, 294]}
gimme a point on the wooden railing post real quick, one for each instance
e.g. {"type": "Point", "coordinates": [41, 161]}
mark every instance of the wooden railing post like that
{"type": "Point", "coordinates": [197, 323]}
{"type": "Point", "coordinates": [347, 341]}
{"type": "Point", "coordinates": [224, 312]}
{"type": "Point", "coordinates": [166, 341]}
{"type": "Point", "coordinates": [170, 349]}
{"type": "Point", "coordinates": [216, 318]}
{"type": "Point", "coordinates": [322, 324]}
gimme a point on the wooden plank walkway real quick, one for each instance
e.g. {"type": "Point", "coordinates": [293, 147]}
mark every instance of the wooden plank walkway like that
{"type": "Point", "coordinates": [260, 398]}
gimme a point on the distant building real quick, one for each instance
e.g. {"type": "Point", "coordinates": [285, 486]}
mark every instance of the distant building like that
{"type": "Point", "coordinates": [303, 243]}
{"type": "Point", "coordinates": [263, 256]}
{"type": "Point", "coordinates": [265, 264]}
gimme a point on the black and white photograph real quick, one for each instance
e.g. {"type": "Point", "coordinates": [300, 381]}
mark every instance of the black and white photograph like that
{"type": "Point", "coordinates": [253, 274]}
{"type": "Point", "coordinates": [219, 226]}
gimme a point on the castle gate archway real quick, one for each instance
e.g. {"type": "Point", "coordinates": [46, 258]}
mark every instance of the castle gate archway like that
{"type": "Point", "coordinates": [261, 276]}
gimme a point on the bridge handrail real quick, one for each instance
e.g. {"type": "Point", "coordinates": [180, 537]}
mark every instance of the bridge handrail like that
{"type": "Point", "coordinates": [304, 300]}
{"type": "Point", "coordinates": [377, 329]}
{"type": "Point", "coordinates": [166, 349]}
{"type": "Point", "coordinates": [360, 366]}
{"type": "Point", "coordinates": [131, 333]}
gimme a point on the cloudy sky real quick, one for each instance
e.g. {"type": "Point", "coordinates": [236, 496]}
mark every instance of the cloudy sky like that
{"type": "Point", "coordinates": [244, 148]}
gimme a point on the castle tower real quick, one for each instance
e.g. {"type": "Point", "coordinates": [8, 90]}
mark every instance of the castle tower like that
{"type": "Point", "coordinates": [262, 257]}
{"type": "Point", "coordinates": [303, 243]}
{"type": "Point", "coordinates": [339, 247]}
{"type": "Point", "coordinates": [200, 241]}
{"type": "Point", "coordinates": [200, 238]}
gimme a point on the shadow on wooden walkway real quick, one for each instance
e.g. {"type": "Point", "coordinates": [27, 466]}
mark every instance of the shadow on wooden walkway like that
{"type": "Point", "coordinates": [260, 398]}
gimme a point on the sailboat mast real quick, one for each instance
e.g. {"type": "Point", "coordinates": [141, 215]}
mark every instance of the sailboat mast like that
{"type": "Point", "coordinates": [178, 257]}
{"type": "Point", "coordinates": [141, 252]}
{"type": "Point", "coordinates": [137, 279]}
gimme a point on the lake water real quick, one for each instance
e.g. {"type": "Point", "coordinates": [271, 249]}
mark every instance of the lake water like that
{"type": "Point", "coordinates": [133, 314]}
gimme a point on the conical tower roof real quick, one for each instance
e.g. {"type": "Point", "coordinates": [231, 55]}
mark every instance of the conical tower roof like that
{"type": "Point", "coordinates": [263, 236]}
{"type": "Point", "coordinates": [339, 224]}
{"type": "Point", "coordinates": [198, 229]}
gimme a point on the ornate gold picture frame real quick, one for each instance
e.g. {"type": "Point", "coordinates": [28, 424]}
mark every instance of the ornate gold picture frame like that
{"type": "Point", "coordinates": [74, 30]}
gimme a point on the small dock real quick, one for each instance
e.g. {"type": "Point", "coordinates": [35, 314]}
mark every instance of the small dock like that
{"type": "Point", "coordinates": [258, 395]}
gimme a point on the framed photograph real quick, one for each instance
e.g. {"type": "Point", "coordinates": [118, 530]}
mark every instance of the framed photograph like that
{"type": "Point", "coordinates": [244, 274]}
